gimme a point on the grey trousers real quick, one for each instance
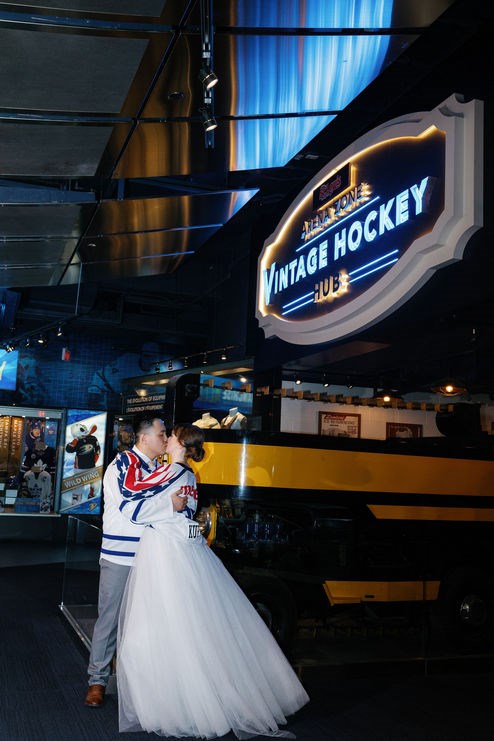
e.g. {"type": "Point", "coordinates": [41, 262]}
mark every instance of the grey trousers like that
{"type": "Point", "coordinates": [112, 581]}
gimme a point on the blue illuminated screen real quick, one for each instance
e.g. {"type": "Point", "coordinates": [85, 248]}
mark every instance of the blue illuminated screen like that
{"type": "Point", "coordinates": [283, 74]}
{"type": "Point", "coordinates": [8, 369]}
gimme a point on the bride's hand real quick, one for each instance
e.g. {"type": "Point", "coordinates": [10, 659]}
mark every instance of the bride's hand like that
{"type": "Point", "coordinates": [179, 502]}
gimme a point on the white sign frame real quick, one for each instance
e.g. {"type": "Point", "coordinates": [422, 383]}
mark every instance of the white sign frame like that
{"type": "Point", "coordinates": [462, 216]}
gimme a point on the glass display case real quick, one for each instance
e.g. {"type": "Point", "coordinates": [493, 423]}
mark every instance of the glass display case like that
{"type": "Point", "coordinates": [30, 460]}
{"type": "Point", "coordinates": [79, 602]}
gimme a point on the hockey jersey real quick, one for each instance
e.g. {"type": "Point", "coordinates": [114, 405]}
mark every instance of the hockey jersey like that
{"type": "Point", "coordinates": [136, 495]}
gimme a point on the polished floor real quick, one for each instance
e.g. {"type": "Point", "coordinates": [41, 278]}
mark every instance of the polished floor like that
{"type": "Point", "coordinates": [354, 697]}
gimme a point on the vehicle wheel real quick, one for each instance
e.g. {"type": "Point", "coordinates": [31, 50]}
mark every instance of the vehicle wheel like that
{"type": "Point", "coordinates": [465, 608]}
{"type": "Point", "coordinates": [275, 604]}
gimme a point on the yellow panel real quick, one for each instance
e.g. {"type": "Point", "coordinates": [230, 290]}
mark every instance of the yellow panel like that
{"type": "Point", "coordinates": [462, 514]}
{"type": "Point", "coordinates": [243, 464]}
{"type": "Point", "coordinates": [352, 592]}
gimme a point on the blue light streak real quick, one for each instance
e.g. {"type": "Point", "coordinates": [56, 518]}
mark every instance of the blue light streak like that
{"type": "Point", "coordinates": [369, 272]}
{"type": "Point", "coordinates": [373, 262]}
{"type": "Point", "coordinates": [289, 74]}
{"type": "Point", "coordinates": [295, 308]}
{"type": "Point", "coordinates": [295, 301]}
{"type": "Point", "coordinates": [310, 296]}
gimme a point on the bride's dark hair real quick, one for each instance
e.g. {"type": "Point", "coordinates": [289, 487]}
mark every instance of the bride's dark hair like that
{"type": "Point", "coordinates": [192, 438]}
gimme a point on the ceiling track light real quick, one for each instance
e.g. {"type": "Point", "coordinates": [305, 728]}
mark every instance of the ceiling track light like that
{"type": "Point", "coordinates": [207, 77]}
{"type": "Point", "coordinates": [41, 340]}
{"type": "Point", "coordinates": [204, 359]}
{"type": "Point", "coordinates": [208, 120]}
{"type": "Point", "coordinates": [223, 355]}
{"type": "Point", "coordinates": [186, 362]}
{"type": "Point", "coordinates": [60, 331]}
{"type": "Point", "coordinates": [170, 365]}
{"type": "Point", "coordinates": [206, 74]}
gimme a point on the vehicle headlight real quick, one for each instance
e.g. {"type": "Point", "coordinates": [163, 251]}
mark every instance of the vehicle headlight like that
{"type": "Point", "coordinates": [204, 520]}
{"type": "Point", "coordinates": [207, 518]}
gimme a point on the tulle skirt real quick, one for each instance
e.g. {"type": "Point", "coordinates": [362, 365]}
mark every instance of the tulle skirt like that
{"type": "Point", "coordinates": [194, 658]}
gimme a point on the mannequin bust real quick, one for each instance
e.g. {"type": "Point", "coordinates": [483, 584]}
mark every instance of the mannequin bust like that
{"type": "Point", "coordinates": [207, 422]}
{"type": "Point", "coordinates": [234, 420]}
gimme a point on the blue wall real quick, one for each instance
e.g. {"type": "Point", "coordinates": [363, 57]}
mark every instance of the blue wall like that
{"type": "Point", "coordinates": [91, 379]}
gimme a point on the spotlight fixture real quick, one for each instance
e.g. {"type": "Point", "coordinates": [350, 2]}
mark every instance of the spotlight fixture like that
{"type": "Point", "coordinates": [449, 387]}
{"type": "Point", "coordinates": [207, 77]}
{"type": "Point", "coordinates": [206, 74]}
{"type": "Point", "coordinates": [298, 380]}
{"type": "Point", "coordinates": [223, 355]}
{"type": "Point", "coordinates": [204, 359]}
{"type": "Point", "coordinates": [186, 362]}
{"type": "Point", "coordinates": [157, 368]}
{"type": "Point", "coordinates": [325, 381]}
{"type": "Point", "coordinates": [60, 331]}
{"type": "Point", "coordinates": [9, 347]}
{"type": "Point", "coordinates": [27, 342]}
{"type": "Point", "coordinates": [170, 365]}
{"type": "Point", "coordinates": [41, 340]}
{"type": "Point", "coordinates": [208, 120]}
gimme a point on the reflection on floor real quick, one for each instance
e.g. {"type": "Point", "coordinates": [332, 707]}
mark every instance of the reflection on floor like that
{"type": "Point", "coordinates": [337, 647]}
{"type": "Point", "coordinates": [25, 553]}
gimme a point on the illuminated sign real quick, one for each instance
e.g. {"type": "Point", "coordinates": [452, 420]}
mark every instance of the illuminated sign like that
{"type": "Point", "coordinates": [373, 225]}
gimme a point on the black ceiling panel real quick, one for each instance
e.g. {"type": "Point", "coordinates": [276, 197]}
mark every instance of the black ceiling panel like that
{"type": "Point", "coordinates": [51, 150]}
{"type": "Point", "coordinates": [139, 255]}
{"type": "Point", "coordinates": [50, 71]}
{"type": "Point", "coordinates": [158, 214]}
{"type": "Point", "coordinates": [27, 263]}
{"type": "Point", "coordinates": [151, 8]}
{"type": "Point", "coordinates": [48, 220]}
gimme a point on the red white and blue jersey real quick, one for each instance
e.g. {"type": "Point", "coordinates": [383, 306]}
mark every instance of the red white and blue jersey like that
{"type": "Point", "coordinates": [135, 495]}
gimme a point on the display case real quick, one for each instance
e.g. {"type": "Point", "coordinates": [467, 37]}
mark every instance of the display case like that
{"type": "Point", "coordinates": [30, 460]}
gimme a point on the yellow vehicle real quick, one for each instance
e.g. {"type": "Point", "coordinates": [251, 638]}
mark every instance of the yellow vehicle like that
{"type": "Point", "coordinates": [313, 525]}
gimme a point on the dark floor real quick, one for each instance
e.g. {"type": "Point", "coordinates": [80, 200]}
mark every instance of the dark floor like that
{"type": "Point", "coordinates": [43, 676]}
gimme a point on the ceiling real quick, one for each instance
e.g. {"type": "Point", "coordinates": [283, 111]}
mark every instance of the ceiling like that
{"type": "Point", "coordinates": [115, 204]}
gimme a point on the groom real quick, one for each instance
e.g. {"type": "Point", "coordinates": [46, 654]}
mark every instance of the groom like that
{"type": "Point", "coordinates": [121, 535]}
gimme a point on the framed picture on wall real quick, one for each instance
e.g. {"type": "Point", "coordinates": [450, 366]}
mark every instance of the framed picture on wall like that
{"type": "Point", "coordinates": [339, 424]}
{"type": "Point", "coordinates": [403, 429]}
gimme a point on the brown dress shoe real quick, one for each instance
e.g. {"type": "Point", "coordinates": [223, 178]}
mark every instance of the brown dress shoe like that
{"type": "Point", "coordinates": [95, 695]}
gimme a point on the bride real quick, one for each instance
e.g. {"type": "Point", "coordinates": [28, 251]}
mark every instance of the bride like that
{"type": "Point", "coordinates": [193, 656]}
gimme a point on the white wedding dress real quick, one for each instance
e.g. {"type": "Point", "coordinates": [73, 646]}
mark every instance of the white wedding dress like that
{"type": "Point", "coordinates": [194, 658]}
